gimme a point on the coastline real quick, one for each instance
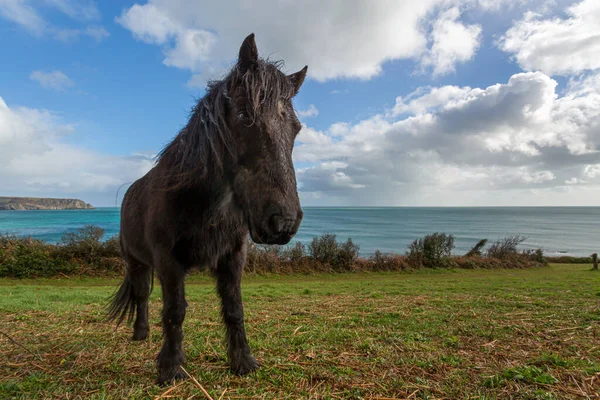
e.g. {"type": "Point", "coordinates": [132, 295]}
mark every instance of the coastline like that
{"type": "Point", "coordinates": [564, 231]}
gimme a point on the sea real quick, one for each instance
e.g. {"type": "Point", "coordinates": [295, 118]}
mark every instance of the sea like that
{"type": "Point", "coordinates": [557, 230]}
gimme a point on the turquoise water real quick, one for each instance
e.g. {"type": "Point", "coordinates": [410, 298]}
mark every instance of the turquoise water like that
{"type": "Point", "coordinates": [569, 230]}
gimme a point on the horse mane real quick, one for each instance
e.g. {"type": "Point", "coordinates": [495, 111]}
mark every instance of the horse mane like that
{"type": "Point", "coordinates": [199, 148]}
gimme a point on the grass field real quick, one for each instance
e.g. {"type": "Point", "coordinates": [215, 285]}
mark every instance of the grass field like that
{"type": "Point", "coordinates": [459, 334]}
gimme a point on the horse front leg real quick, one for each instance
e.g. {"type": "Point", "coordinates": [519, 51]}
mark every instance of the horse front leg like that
{"type": "Point", "coordinates": [171, 356]}
{"type": "Point", "coordinates": [229, 276]}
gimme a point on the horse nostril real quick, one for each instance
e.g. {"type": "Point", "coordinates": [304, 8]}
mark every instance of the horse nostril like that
{"type": "Point", "coordinates": [276, 223]}
{"type": "Point", "coordinates": [280, 224]}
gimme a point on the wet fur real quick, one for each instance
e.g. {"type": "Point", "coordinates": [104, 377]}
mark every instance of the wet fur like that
{"type": "Point", "coordinates": [221, 176]}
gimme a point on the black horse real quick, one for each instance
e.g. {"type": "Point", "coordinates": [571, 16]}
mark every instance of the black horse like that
{"type": "Point", "coordinates": [228, 172]}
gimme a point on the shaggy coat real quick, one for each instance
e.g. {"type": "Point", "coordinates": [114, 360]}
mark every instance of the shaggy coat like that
{"type": "Point", "coordinates": [227, 174]}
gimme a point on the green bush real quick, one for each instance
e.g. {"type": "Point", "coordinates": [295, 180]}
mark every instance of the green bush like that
{"type": "Point", "coordinates": [386, 262]}
{"type": "Point", "coordinates": [83, 253]}
{"type": "Point", "coordinates": [295, 253]}
{"type": "Point", "coordinates": [432, 251]}
{"type": "Point", "coordinates": [476, 250]}
{"type": "Point", "coordinates": [323, 249]}
{"type": "Point", "coordinates": [338, 256]}
{"type": "Point", "coordinates": [78, 253]}
{"type": "Point", "coordinates": [27, 258]}
{"type": "Point", "coordinates": [505, 247]}
{"type": "Point", "coordinates": [536, 255]}
{"type": "Point", "coordinates": [569, 260]}
{"type": "Point", "coordinates": [346, 256]}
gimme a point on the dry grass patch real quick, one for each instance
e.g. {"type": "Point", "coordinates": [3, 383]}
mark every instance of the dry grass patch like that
{"type": "Point", "coordinates": [515, 334]}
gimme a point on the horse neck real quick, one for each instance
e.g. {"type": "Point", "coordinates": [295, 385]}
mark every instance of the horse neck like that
{"type": "Point", "coordinates": [206, 172]}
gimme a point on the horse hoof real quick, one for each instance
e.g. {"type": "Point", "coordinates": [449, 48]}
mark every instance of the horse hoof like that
{"type": "Point", "coordinates": [167, 379]}
{"type": "Point", "coordinates": [245, 366]}
{"type": "Point", "coordinates": [137, 336]}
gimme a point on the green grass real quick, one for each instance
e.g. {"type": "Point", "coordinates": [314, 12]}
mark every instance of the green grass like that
{"type": "Point", "coordinates": [454, 334]}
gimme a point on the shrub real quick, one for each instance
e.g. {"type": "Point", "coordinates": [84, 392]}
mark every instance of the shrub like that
{"type": "Point", "coordinates": [323, 249]}
{"type": "Point", "coordinates": [112, 247]}
{"type": "Point", "coordinates": [83, 243]}
{"type": "Point", "coordinates": [263, 259]}
{"type": "Point", "coordinates": [536, 255]}
{"type": "Point", "coordinates": [569, 260]}
{"type": "Point", "coordinates": [432, 251]}
{"type": "Point", "coordinates": [386, 262]}
{"type": "Point", "coordinates": [346, 255]}
{"type": "Point", "coordinates": [476, 250]}
{"type": "Point", "coordinates": [505, 247]}
{"type": "Point", "coordinates": [295, 253]}
{"type": "Point", "coordinates": [324, 254]}
{"type": "Point", "coordinates": [83, 253]}
{"type": "Point", "coordinates": [85, 247]}
{"type": "Point", "coordinates": [28, 258]}
{"type": "Point", "coordinates": [78, 253]}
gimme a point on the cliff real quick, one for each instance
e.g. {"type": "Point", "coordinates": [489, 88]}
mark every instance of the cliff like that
{"type": "Point", "coordinates": [32, 203]}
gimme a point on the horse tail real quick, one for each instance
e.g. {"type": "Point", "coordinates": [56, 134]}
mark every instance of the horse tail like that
{"type": "Point", "coordinates": [122, 303]}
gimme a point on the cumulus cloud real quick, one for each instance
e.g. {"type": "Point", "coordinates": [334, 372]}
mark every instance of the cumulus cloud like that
{"type": "Point", "coordinates": [592, 171]}
{"type": "Point", "coordinates": [311, 111]}
{"type": "Point", "coordinates": [26, 15]}
{"type": "Point", "coordinates": [55, 80]}
{"type": "Point", "coordinates": [518, 138]}
{"type": "Point", "coordinates": [192, 48]}
{"type": "Point", "coordinates": [334, 43]}
{"type": "Point", "coordinates": [575, 181]}
{"type": "Point", "coordinates": [36, 160]}
{"type": "Point", "coordinates": [149, 24]}
{"type": "Point", "coordinates": [557, 46]}
{"type": "Point", "coordinates": [496, 5]}
{"type": "Point", "coordinates": [453, 42]}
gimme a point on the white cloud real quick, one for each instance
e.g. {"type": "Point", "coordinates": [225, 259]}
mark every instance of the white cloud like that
{"type": "Point", "coordinates": [311, 111]}
{"type": "Point", "coordinates": [149, 24]}
{"type": "Point", "coordinates": [337, 39]}
{"type": "Point", "coordinates": [338, 91]}
{"type": "Point", "coordinates": [535, 177]}
{"type": "Point", "coordinates": [84, 10]}
{"type": "Point", "coordinates": [507, 144]}
{"type": "Point", "coordinates": [557, 46]}
{"type": "Point", "coordinates": [55, 80]}
{"type": "Point", "coordinates": [592, 171]}
{"type": "Point", "coordinates": [68, 35]}
{"type": "Point", "coordinates": [427, 99]}
{"type": "Point", "coordinates": [36, 160]}
{"type": "Point", "coordinates": [453, 42]}
{"type": "Point", "coordinates": [575, 181]}
{"type": "Point", "coordinates": [496, 5]}
{"type": "Point", "coordinates": [192, 48]}
{"type": "Point", "coordinates": [23, 13]}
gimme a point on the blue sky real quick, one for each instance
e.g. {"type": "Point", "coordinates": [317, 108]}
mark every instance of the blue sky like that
{"type": "Point", "coordinates": [409, 101]}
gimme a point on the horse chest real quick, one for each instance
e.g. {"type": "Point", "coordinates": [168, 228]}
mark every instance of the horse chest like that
{"type": "Point", "coordinates": [205, 246]}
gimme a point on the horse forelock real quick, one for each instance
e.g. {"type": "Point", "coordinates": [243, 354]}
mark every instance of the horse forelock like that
{"type": "Point", "coordinates": [200, 147]}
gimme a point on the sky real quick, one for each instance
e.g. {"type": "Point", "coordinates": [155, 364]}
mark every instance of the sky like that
{"type": "Point", "coordinates": [406, 103]}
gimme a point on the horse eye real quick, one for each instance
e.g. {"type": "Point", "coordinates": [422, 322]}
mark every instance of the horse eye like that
{"type": "Point", "coordinates": [282, 110]}
{"type": "Point", "coordinates": [242, 115]}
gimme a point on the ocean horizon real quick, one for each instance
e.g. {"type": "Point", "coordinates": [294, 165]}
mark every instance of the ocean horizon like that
{"type": "Point", "coordinates": [557, 230]}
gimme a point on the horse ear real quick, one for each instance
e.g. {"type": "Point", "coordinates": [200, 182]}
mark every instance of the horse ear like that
{"type": "Point", "coordinates": [248, 54]}
{"type": "Point", "coordinates": [298, 78]}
